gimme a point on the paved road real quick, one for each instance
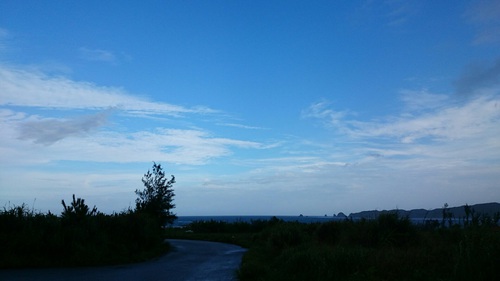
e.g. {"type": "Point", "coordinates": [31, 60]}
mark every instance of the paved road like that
{"type": "Point", "coordinates": [188, 261]}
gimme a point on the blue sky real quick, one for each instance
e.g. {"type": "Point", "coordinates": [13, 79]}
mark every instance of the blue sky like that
{"type": "Point", "coordinates": [257, 107]}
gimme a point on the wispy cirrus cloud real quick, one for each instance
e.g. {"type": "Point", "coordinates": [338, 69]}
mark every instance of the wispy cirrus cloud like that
{"type": "Point", "coordinates": [453, 121]}
{"type": "Point", "coordinates": [4, 34]}
{"type": "Point", "coordinates": [392, 13]}
{"type": "Point", "coordinates": [427, 116]}
{"type": "Point", "coordinates": [322, 110]}
{"type": "Point", "coordinates": [78, 139]}
{"type": "Point", "coordinates": [93, 137]}
{"type": "Point", "coordinates": [97, 55]}
{"type": "Point", "coordinates": [400, 11]}
{"type": "Point", "coordinates": [435, 148]}
{"type": "Point", "coordinates": [241, 126]}
{"type": "Point", "coordinates": [22, 87]}
{"type": "Point", "coordinates": [50, 130]}
{"type": "Point", "coordinates": [483, 15]}
{"type": "Point", "coordinates": [478, 76]}
{"type": "Point", "coordinates": [422, 100]}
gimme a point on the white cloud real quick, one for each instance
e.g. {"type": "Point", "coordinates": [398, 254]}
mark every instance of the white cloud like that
{"type": "Point", "coordinates": [84, 137]}
{"type": "Point", "coordinates": [422, 100]}
{"type": "Point", "coordinates": [437, 148]}
{"type": "Point", "coordinates": [442, 119]}
{"type": "Point", "coordinates": [97, 55]}
{"type": "Point", "coordinates": [454, 122]}
{"type": "Point", "coordinates": [355, 177]}
{"type": "Point", "coordinates": [241, 126]}
{"type": "Point", "coordinates": [437, 144]}
{"type": "Point", "coordinates": [178, 146]}
{"type": "Point", "coordinates": [321, 110]}
{"type": "Point", "coordinates": [20, 87]}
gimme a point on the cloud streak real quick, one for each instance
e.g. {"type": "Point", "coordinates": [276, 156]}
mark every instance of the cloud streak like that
{"type": "Point", "coordinates": [455, 121]}
{"type": "Point", "coordinates": [97, 55]}
{"type": "Point", "coordinates": [49, 131]}
{"type": "Point", "coordinates": [437, 148]}
{"type": "Point", "coordinates": [86, 138]}
{"type": "Point", "coordinates": [4, 34]}
{"type": "Point", "coordinates": [477, 77]}
{"type": "Point", "coordinates": [19, 87]}
{"type": "Point", "coordinates": [241, 126]}
{"type": "Point", "coordinates": [322, 110]}
{"type": "Point", "coordinates": [484, 15]}
{"type": "Point", "coordinates": [70, 140]}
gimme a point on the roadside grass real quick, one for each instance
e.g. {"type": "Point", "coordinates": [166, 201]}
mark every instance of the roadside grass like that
{"type": "Point", "coordinates": [31, 239]}
{"type": "Point", "coordinates": [238, 233]}
{"type": "Point", "coordinates": [387, 248]}
{"type": "Point", "coordinates": [81, 236]}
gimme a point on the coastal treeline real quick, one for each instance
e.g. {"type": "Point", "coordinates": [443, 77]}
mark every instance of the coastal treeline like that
{"type": "Point", "coordinates": [389, 247]}
{"type": "Point", "coordinates": [76, 238]}
{"type": "Point", "coordinates": [81, 236]}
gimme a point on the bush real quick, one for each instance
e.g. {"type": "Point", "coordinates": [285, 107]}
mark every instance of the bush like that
{"type": "Point", "coordinates": [32, 239]}
{"type": "Point", "coordinates": [388, 248]}
{"type": "Point", "coordinates": [284, 235]}
{"type": "Point", "coordinates": [329, 232]}
{"type": "Point", "coordinates": [395, 230]}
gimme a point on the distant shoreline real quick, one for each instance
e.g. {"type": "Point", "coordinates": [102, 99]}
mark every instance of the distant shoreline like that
{"type": "Point", "coordinates": [185, 220]}
{"type": "Point", "coordinates": [415, 215]}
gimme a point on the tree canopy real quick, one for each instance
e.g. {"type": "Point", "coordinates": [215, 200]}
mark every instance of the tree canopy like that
{"type": "Point", "coordinates": [157, 196]}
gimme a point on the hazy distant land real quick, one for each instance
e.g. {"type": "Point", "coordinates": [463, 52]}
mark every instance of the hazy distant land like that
{"type": "Point", "coordinates": [458, 212]}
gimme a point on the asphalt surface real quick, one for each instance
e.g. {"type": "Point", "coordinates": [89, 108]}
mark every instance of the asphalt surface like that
{"type": "Point", "coordinates": [188, 261]}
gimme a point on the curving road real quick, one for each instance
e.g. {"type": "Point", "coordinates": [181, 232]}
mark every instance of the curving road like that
{"type": "Point", "coordinates": [188, 261]}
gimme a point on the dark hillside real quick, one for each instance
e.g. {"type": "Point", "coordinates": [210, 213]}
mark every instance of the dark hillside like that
{"type": "Point", "coordinates": [458, 212]}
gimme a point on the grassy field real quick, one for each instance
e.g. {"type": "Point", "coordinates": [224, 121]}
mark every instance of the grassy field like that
{"type": "Point", "coordinates": [76, 238]}
{"type": "Point", "coordinates": [81, 236]}
{"type": "Point", "coordinates": [388, 248]}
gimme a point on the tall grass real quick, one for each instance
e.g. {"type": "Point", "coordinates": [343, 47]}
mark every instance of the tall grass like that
{"type": "Point", "coordinates": [387, 248]}
{"type": "Point", "coordinates": [76, 238]}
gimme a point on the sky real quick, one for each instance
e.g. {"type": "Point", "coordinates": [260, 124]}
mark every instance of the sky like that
{"type": "Point", "coordinates": [257, 107]}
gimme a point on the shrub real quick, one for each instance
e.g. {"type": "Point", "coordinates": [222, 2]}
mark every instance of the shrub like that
{"type": "Point", "coordinates": [284, 235]}
{"type": "Point", "coordinates": [76, 238]}
{"type": "Point", "coordinates": [329, 232]}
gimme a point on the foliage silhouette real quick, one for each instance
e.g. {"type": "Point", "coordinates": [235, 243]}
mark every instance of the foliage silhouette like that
{"type": "Point", "coordinates": [157, 196]}
{"type": "Point", "coordinates": [388, 247]}
{"type": "Point", "coordinates": [77, 211]}
{"type": "Point", "coordinates": [81, 236]}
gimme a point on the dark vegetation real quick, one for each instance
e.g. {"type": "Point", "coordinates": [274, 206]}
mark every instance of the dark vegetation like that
{"type": "Point", "coordinates": [457, 214]}
{"type": "Point", "coordinates": [81, 236]}
{"type": "Point", "coordinates": [157, 197]}
{"type": "Point", "coordinates": [389, 247]}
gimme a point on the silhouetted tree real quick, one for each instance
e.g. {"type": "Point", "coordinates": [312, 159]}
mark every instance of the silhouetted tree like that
{"type": "Point", "coordinates": [468, 212]}
{"type": "Point", "coordinates": [157, 197]}
{"type": "Point", "coordinates": [447, 215]}
{"type": "Point", "coordinates": [78, 210]}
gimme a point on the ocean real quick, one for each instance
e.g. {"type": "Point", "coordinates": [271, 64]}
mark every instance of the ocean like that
{"type": "Point", "coordinates": [185, 220]}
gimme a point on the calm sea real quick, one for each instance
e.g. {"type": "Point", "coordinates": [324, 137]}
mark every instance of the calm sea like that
{"type": "Point", "coordinates": [185, 220]}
